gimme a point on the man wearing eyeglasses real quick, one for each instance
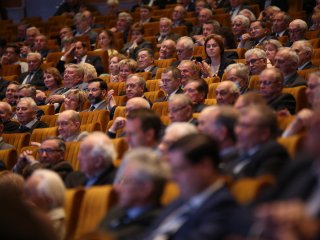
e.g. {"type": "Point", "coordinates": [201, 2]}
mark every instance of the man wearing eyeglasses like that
{"type": "Point", "coordinates": [51, 156]}
{"type": "Point", "coordinates": [297, 30]}
{"type": "Point", "coordinates": [256, 60]}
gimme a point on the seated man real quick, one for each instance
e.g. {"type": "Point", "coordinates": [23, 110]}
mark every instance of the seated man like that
{"type": "Point", "coordinates": [9, 126]}
{"type": "Point", "coordinates": [165, 31]}
{"type": "Point", "coordinates": [170, 83]}
{"type": "Point", "coordinates": [287, 60]}
{"type": "Point", "coordinates": [271, 85]}
{"type": "Point", "coordinates": [304, 50]}
{"type": "Point", "coordinates": [11, 56]}
{"type": "Point", "coordinates": [260, 154]}
{"type": "Point", "coordinates": [297, 31]}
{"type": "Point", "coordinates": [180, 109]}
{"type": "Point", "coordinates": [239, 74]}
{"type": "Point", "coordinates": [256, 60]}
{"type": "Point", "coordinates": [205, 206]}
{"type": "Point", "coordinates": [120, 122]}
{"type": "Point", "coordinates": [83, 27]}
{"type": "Point", "coordinates": [26, 115]}
{"type": "Point", "coordinates": [139, 203]}
{"type": "Point", "coordinates": [145, 61]}
{"type": "Point", "coordinates": [68, 123]}
{"type": "Point", "coordinates": [219, 122]}
{"type": "Point", "coordinates": [78, 54]}
{"type": "Point", "coordinates": [45, 191]}
{"type": "Point", "coordinates": [167, 49]}
{"type": "Point", "coordinates": [3, 144]}
{"type": "Point", "coordinates": [97, 91]}
{"type": "Point", "coordinates": [184, 50]}
{"type": "Point", "coordinates": [41, 45]}
{"type": "Point", "coordinates": [189, 71]}
{"type": "Point", "coordinates": [258, 32]}
{"type": "Point", "coordinates": [143, 129]}
{"type": "Point", "coordinates": [178, 18]}
{"type": "Point", "coordinates": [96, 156]}
{"type": "Point", "coordinates": [197, 91]}
{"type": "Point", "coordinates": [227, 93]}
{"type": "Point", "coordinates": [34, 75]}
{"type": "Point", "coordinates": [51, 153]}
{"type": "Point", "coordinates": [10, 91]}
{"type": "Point", "coordinates": [240, 25]}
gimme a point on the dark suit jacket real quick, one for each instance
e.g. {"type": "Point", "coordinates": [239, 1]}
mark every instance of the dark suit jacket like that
{"type": "Point", "coordinates": [309, 66]}
{"type": "Point", "coordinates": [124, 228]}
{"type": "Point", "coordinates": [196, 108]}
{"type": "Point", "coordinates": [209, 221]}
{"type": "Point", "coordinates": [269, 159]}
{"type": "Point", "coordinates": [223, 64]}
{"type": "Point", "coordinates": [76, 179]}
{"type": "Point", "coordinates": [134, 52]}
{"type": "Point", "coordinates": [10, 127]}
{"type": "Point", "coordinates": [102, 106]}
{"type": "Point", "coordinates": [3, 87]}
{"type": "Point", "coordinates": [284, 101]}
{"type": "Point", "coordinates": [294, 81]}
{"type": "Point", "coordinates": [93, 60]}
{"type": "Point", "coordinates": [38, 124]}
{"type": "Point", "coordinates": [37, 79]}
{"type": "Point", "coordinates": [153, 71]}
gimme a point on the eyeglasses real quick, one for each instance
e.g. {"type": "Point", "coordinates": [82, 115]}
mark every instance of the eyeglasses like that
{"type": "Point", "coordinates": [253, 61]}
{"type": "Point", "coordinates": [294, 30]}
{"type": "Point", "coordinates": [48, 150]}
{"type": "Point", "coordinates": [266, 83]}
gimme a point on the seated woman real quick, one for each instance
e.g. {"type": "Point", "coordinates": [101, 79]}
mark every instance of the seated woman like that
{"type": "Point", "coordinates": [216, 62]}
{"type": "Point", "coordinates": [74, 100]}
{"type": "Point", "coordinates": [271, 48]}
{"type": "Point", "coordinates": [126, 67]}
{"type": "Point", "coordinates": [114, 60]}
{"type": "Point", "coordinates": [106, 42]}
{"type": "Point", "coordinates": [52, 79]}
{"type": "Point", "coordinates": [131, 48]}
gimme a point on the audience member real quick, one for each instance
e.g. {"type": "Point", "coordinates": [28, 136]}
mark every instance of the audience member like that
{"type": "Point", "coordinates": [123, 25]}
{"type": "Point", "coordinates": [6, 114]}
{"type": "Point", "coordinates": [10, 92]}
{"type": "Point", "coordinates": [189, 71]}
{"type": "Point", "coordinates": [304, 50]}
{"type": "Point", "coordinates": [165, 31]}
{"type": "Point", "coordinates": [227, 93]}
{"type": "Point", "coordinates": [239, 74]}
{"type": "Point", "coordinates": [41, 45]}
{"type": "Point", "coordinates": [167, 49]}
{"type": "Point", "coordinates": [141, 180]}
{"type": "Point", "coordinates": [256, 60]}
{"type": "Point", "coordinates": [96, 156]}
{"type": "Point", "coordinates": [11, 56]}
{"type": "Point", "coordinates": [297, 30]}
{"type": "Point", "coordinates": [74, 99]}
{"type": "Point", "coordinates": [240, 25]}
{"type": "Point", "coordinates": [51, 156]}
{"type": "Point", "coordinates": [97, 92]}
{"type": "Point", "coordinates": [3, 144]}
{"type": "Point", "coordinates": [197, 91]}
{"type": "Point", "coordinates": [271, 47]}
{"type": "Point", "coordinates": [180, 109]}
{"type": "Point", "coordinates": [178, 15]}
{"type": "Point", "coordinates": [258, 32]}
{"type": "Point", "coordinates": [83, 27]}
{"type": "Point", "coordinates": [170, 83]}
{"type": "Point", "coordinates": [145, 61]}
{"type": "Point", "coordinates": [106, 42]}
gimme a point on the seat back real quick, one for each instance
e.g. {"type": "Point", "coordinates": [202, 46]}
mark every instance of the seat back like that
{"type": "Point", "coordinates": [96, 202]}
{"type": "Point", "coordinates": [11, 69]}
{"type": "Point", "coordinates": [212, 90]}
{"type": "Point", "coordinates": [161, 108]}
{"type": "Point", "coordinates": [50, 120]}
{"type": "Point", "coordinates": [292, 144]}
{"type": "Point", "coordinates": [118, 87]}
{"type": "Point", "coordinates": [47, 109]}
{"type": "Point", "coordinates": [40, 134]}
{"type": "Point", "coordinates": [91, 127]}
{"type": "Point", "coordinates": [163, 63]}
{"type": "Point", "coordinates": [299, 94]}
{"type": "Point", "coordinates": [153, 85]}
{"type": "Point", "coordinates": [71, 155]}
{"type": "Point", "coordinates": [154, 95]}
{"type": "Point", "coordinates": [121, 147]}
{"type": "Point", "coordinates": [9, 157]}
{"type": "Point", "coordinates": [18, 140]}
{"type": "Point", "coordinates": [98, 116]}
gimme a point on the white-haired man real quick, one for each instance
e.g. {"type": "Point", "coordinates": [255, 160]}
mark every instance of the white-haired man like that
{"type": "Point", "coordinates": [96, 156]}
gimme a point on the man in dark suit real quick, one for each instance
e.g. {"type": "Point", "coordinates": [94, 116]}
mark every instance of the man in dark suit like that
{"type": "Point", "coordinates": [145, 61]}
{"type": "Point", "coordinates": [287, 60]}
{"type": "Point", "coordinates": [80, 50]}
{"type": "Point", "coordinates": [204, 206]}
{"type": "Point", "coordinates": [26, 115]}
{"type": "Point", "coordinates": [41, 45]}
{"type": "Point", "coordinates": [178, 15]}
{"type": "Point", "coordinates": [165, 31]}
{"type": "Point", "coordinates": [51, 153]}
{"type": "Point", "coordinates": [170, 83]}
{"type": "Point", "coordinates": [205, 15]}
{"type": "Point", "coordinates": [197, 90]}
{"type": "Point", "coordinates": [259, 153]}
{"type": "Point", "coordinates": [34, 75]}
{"type": "Point", "coordinates": [280, 24]}
{"type": "Point", "coordinates": [297, 31]}
{"type": "Point", "coordinates": [139, 184]}
{"type": "Point", "coordinates": [219, 123]}
{"type": "Point", "coordinates": [97, 91]}
{"type": "Point", "coordinates": [180, 109]}
{"type": "Point", "coordinates": [304, 50]}
{"type": "Point", "coordinates": [146, 14]}
{"type": "Point", "coordinates": [96, 156]}
{"type": "Point", "coordinates": [271, 85]}
{"type": "Point", "coordinates": [5, 116]}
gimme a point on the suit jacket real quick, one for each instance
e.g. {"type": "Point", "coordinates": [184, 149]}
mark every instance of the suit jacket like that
{"type": "Point", "coordinates": [37, 79]}
{"type": "Point", "coordinates": [294, 81]}
{"type": "Point", "coordinates": [102, 106]}
{"type": "Point", "coordinates": [76, 179]}
{"type": "Point", "coordinates": [284, 101]}
{"type": "Point", "coordinates": [38, 124]}
{"type": "Point", "coordinates": [3, 87]}
{"type": "Point", "coordinates": [196, 108]}
{"type": "Point", "coordinates": [153, 71]}
{"type": "Point", "coordinates": [63, 168]}
{"type": "Point", "coordinates": [223, 64]}
{"type": "Point", "coordinates": [271, 158]}
{"type": "Point", "coordinates": [172, 36]}
{"type": "Point", "coordinates": [10, 127]}
{"type": "Point", "coordinates": [134, 52]}
{"type": "Point", "coordinates": [166, 98]}
{"type": "Point", "coordinates": [125, 228]}
{"type": "Point", "coordinates": [309, 65]}
{"type": "Point", "coordinates": [209, 221]}
{"type": "Point", "coordinates": [93, 60]}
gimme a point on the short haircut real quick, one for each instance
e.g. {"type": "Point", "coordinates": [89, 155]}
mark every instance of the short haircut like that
{"type": "Point", "coordinates": [181, 129]}
{"type": "Point", "coordinates": [79, 70]}
{"type": "Point", "coordinates": [80, 95]}
{"type": "Point", "coordinates": [251, 98]}
{"type": "Point", "coordinates": [128, 18]}
{"type": "Point", "coordinates": [35, 54]}
{"type": "Point", "coordinates": [148, 50]}
{"type": "Point", "coordinates": [290, 55]}
{"type": "Point", "coordinates": [176, 74]}
{"type": "Point", "coordinates": [244, 20]}
{"type": "Point", "coordinates": [51, 186]}
{"type": "Point", "coordinates": [202, 86]}
{"type": "Point", "coordinates": [198, 147]}
{"type": "Point", "coordinates": [300, 23]}
{"type": "Point", "coordinates": [103, 85]}
{"type": "Point", "coordinates": [242, 71]}
{"type": "Point", "coordinates": [55, 73]}
{"type": "Point", "coordinates": [141, 80]}
{"type": "Point", "coordinates": [148, 167]}
{"type": "Point", "coordinates": [137, 27]}
{"type": "Point", "coordinates": [218, 39]}
{"type": "Point", "coordinates": [129, 62]}
{"type": "Point", "coordinates": [148, 120]}
{"type": "Point", "coordinates": [31, 103]}
{"type": "Point", "coordinates": [32, 91]}
{"type": "Point", "coordinates": [89, 70]}
{"type": "Point", "coordinates": [252, 17]}
{"type": "Point", "coordinates": [276, 73]}
{"type": "Point", "coordinates": [165, 19]}
{"type": "Point", "coordinates": [61, 144]}
{"type": "Point", "coordinates": [260, 53]}
{"type": "Point", "coordinates": [274, 42]}
{"type": "Point", "coordinates": [187, 42]}
{"type": "Point", "coordinates": [15, 47]}
{"type": "Point", "coordinates": [183, 99]}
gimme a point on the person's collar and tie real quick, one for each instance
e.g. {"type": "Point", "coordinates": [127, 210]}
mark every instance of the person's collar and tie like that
{"type": "Point", "coordinates": [29, 77]}
{"type": "Point", "coordinates": [92, 108]}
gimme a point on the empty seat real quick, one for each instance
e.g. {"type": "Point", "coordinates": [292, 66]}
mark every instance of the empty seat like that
{"type": "Point", "coordinates": [18, 140]}
{"type": "Point", "coordinates": [9, 157]}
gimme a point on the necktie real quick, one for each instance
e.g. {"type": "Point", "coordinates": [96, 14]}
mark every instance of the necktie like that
{"type": "Point", "coordinates": [23, 128]}
{"type": "Point", "coordinates": [28, 78]}
{"type": "Point", "coordinates": [92, 108]}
